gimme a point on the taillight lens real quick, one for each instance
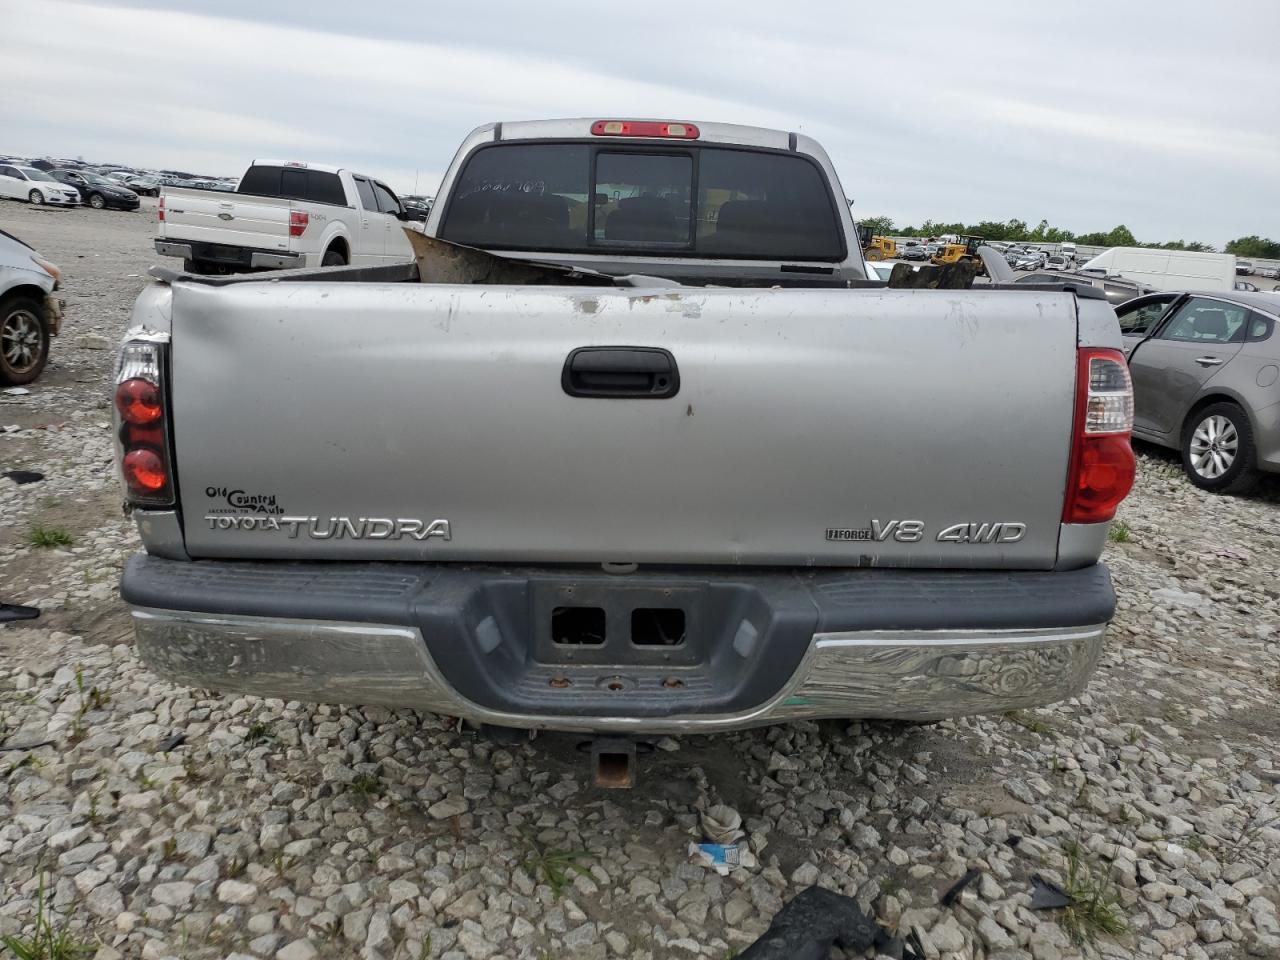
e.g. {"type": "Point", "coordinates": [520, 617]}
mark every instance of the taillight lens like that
{"type": "Point", "coordinates": [1102, 466]}
{"type": "Point", "coordinates": [138, 401]}
{"type": "Point", "coordinates": [298, 220]}
{"type": "Point", "coordinates": [160, 212]}
{"type": "Point", "coordinates": [145, 470]}
{"type": "Point", "coordinates": [142, 429]}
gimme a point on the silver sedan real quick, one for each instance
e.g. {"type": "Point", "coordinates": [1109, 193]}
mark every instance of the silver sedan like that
{"type": "Point", "coordinates": [1206, 380]}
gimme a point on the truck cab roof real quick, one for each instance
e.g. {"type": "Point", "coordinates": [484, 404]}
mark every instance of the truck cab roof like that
{"type": "Point", "coordinates": [300, 164]}
{"type": "Point", "coordinates": [580, 127]}
{"type": "Point", "coordinates": [689, 200]}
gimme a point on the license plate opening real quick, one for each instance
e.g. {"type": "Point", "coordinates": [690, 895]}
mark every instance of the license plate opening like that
{"type": "Point", "coordinates": [657, 626]}
{"type": "Point", "coordinates": [578, 626]}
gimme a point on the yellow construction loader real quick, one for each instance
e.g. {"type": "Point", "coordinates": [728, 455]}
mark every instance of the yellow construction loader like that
{"type": "Point", "coordinates": [966, 249]}
{"type": "Point", "coordinates": [880, 248]}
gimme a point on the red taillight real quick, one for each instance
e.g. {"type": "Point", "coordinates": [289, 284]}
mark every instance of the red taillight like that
{"type": "Point", "coordinates": [644, 128]}
{"type": "Point", "coordinates": [144, 471]}
{"type": "Point", "coordinates": [160, 214]}
{"type": "Point", "coordinates": [298, 220]}
{"type": "Point", "coordinates": [138, 401]}
{"type": "Point", "coordinates": [142, 425]}
{"type": "Point", "coordinates": [1102, 466]}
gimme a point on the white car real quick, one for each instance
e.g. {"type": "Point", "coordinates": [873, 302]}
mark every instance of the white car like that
{"type": "Point", "coordinates": [36, 186]}
{"type": "Point", "coordinates": [1060, 263]}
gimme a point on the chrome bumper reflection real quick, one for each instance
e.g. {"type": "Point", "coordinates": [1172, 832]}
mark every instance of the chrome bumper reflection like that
{"type": "Point", "coordinates": [167, 248]}
{"type": "Point", "coordinates": [904, 675]}
{"type": "Point", "coordinates": [277, 261]}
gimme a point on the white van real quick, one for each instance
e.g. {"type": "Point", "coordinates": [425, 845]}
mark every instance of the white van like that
{"type": "Point", "coordinates": [1167, 269]}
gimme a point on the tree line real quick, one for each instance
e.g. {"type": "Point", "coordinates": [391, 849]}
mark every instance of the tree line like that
{"type": "Point", "coordinates": [1019, 230]}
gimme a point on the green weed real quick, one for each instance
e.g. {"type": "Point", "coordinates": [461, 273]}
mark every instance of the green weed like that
{"type": "Point", "coordinates": [1095, 908]}
{"type": "Point", "coordinates": [1027, 721]}
{"type": "Point", "coordinates": [366, 786]}
{"type": "Point", "coordinates": [1120, 532]}
{"type": "Point", "coordinates": [48, 537]}
{"type": "Point", "coordinates": [48, 942]}
{"type": "Point", "coordinates": [553, 867]}
{"type": "Point", "coordinates": [257, 733]}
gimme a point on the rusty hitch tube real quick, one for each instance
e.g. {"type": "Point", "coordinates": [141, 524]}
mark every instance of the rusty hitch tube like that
{"type": "Point", "coordinates": [613, 763]}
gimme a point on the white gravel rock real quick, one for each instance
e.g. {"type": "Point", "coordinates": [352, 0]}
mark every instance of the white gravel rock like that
{"type": "Point", "coordinates": [234, 891]}
{"type": "Point", "coordinates": [1163, 770]}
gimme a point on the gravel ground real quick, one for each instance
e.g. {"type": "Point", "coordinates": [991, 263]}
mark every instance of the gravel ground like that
{"type": "Point", "coordinates": [165, 822]}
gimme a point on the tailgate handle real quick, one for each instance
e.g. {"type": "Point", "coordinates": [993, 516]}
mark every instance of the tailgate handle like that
{"type": "Point", "coordinates": [639, 373]}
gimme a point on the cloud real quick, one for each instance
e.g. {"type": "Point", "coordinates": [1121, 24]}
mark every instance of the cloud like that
{"type": "Point", "coordinates": [1111, 113]}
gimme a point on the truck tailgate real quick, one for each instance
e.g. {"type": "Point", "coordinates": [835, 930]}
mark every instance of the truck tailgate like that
{"type": "Point", "coordinates": [419, 421]}
{"type": "Point", "coordinates": [227, 218]}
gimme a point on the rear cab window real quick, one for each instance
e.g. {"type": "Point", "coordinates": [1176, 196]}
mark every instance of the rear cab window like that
{"type": "Point", "coordinates": [651, 199]}
{"type": "Point", "coordinates": [293, 183]}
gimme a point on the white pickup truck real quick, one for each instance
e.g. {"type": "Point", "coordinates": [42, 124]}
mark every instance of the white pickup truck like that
{"type": "Point", "coordinates": [284, 214]}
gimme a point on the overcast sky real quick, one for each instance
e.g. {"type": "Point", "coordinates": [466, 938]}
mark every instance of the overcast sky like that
{"type": "Point", "coordinates": [1160, 114]}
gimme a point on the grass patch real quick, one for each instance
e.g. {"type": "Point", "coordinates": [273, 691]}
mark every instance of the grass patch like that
{"type": "Point", "coordinates": [1096, 908]}
{"type": "Point", "coordinates": [49, 941]}
{"type": "Point", "coordinates": [1027, 721]}
{"type": "Point", "coordinates": [91, 698]}
{"type": "Point", "coordinates": [1120, 532]}
{"type": "Point", "coordinates": [48, 537]}
{"type": "Point", "coordinates": [94, 816]}
{"type": "Point", "coordinates": [257, 733]}
{"type": "Point", "coordinates": [366, 786]}
{"type": "Point", "coordinates": [553, 867]}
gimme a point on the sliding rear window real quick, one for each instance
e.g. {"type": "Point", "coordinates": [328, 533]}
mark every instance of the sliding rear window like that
{"type": "Point", "coordinates": [647, 200]}
{"type": "Point", "coordinates": [293, 183]}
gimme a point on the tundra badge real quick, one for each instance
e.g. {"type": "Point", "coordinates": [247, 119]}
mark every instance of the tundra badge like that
{"type": "Point", "coordinates": [336, 528]}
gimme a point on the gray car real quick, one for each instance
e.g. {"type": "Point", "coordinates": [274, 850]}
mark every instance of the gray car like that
{"type": "Point", "coordinates": [29, 316]}
{"type": "Point", "coordinates": [1206, 379]}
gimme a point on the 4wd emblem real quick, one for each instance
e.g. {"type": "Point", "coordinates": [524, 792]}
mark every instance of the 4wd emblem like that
{"type": "Point", "coordinates": [913, 531]}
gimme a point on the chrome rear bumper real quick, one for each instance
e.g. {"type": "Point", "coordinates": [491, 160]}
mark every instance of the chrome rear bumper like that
{"type": "Point", "coordinates": [891, 674]}
{"type": "Point", "coordinates": [167, 248]}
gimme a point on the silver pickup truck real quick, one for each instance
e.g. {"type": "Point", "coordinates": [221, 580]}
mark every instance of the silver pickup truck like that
{"type": "Point", "coordinates": [691, 471]}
